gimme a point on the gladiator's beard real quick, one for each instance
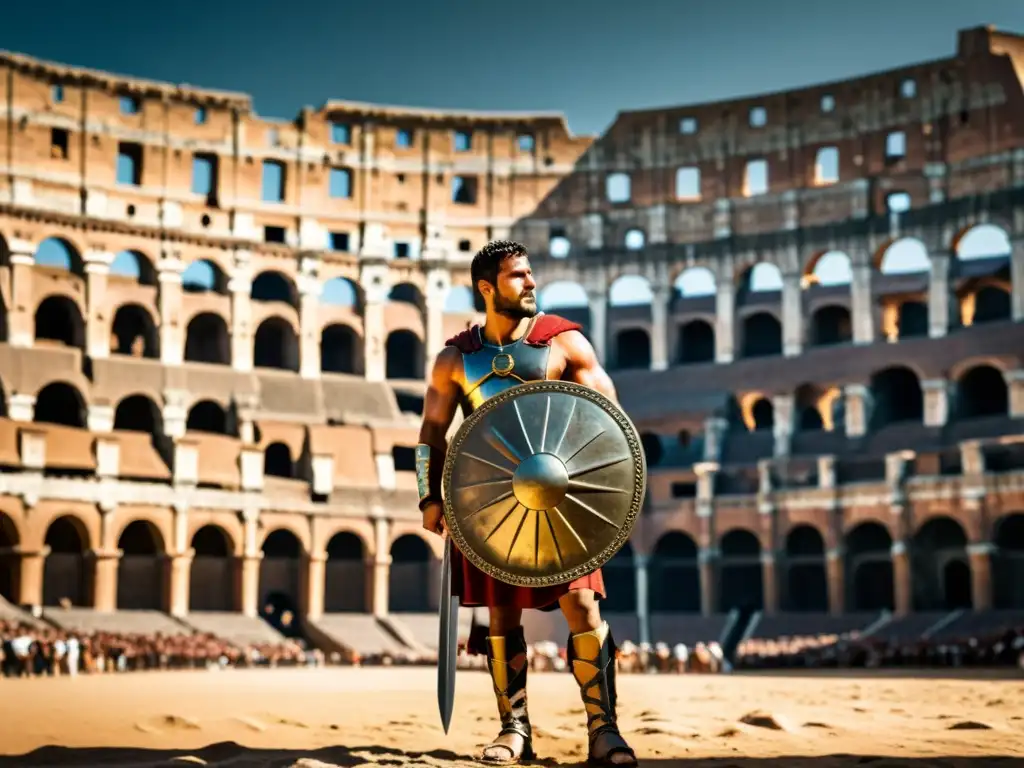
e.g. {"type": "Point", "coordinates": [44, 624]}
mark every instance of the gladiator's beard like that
{"type": "Point", "coordinates": [517, 309]}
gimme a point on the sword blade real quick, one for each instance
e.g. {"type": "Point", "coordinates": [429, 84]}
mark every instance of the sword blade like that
{"type": "Point", "coordinates": [448, 641]}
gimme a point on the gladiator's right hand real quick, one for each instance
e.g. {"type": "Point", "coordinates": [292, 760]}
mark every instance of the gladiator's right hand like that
{"type": "Point", "coordinates": [433, 518]}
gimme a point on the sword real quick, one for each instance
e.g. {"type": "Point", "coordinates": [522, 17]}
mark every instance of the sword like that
{"type": "Point", "coordinates": [448, 641]}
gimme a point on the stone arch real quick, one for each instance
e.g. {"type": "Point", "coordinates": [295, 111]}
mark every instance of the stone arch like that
{"type": "Point", "coordinates": [277, 461]}
{"type": "Point", "coordinates": [345, 574]}
{"type": "Point", "coordinates": [903, 256]}
{"type": "Point", "coordinates": [342, 292]}
{"type": "Point", "coordinates": [740, 579]}
{"type": "Point", "coordinates": [568, 298]}
{"type": "Point", "coordinates": [756, 412]}
{"type": "Point", "coordinates": [830, 324]}
{"type": "Point", "coordinates": [207, 340]}
{"type": "Point", "coordinates": [134, 265]}
{"type": "Point", "coordinates": [762, 277]}
{"type": "Point", "coordinates": [280, 579]}
{"type": "Point", "coordinates": [60, 403]}
{"type": "Point", "coordinates": [202, 276]}
{"type": "Point", "coordinates": [674, 574]}
{"type": "Point", "coordinates": [276, 345]}
{"type": "Point", "coordinates": [869, 574]}
{"type": "Point", "coordinates": [982, 241]}
{"type": "Point", "coordinates": [59, 253]}
{"type": "Point", "coordinates": [911, 319]}
{"type": "Point", "coordinates": [809, 413]}
{"type": "Point", "coordinates": [207, 416]}
{"type": "Point", "coordinates": [694, 283]}
{"type": "Point", "coordinates": [696, 342]}
{"type": "Point", "coordinates": [633, 349]}
{"type": "Point", "coordinates": [341, 349]}
{"type": "Point", "coordinates": [410, 578]}
{"type": "Point", "coordinates": [404, 355]}
{"type": "Point", "coordinates": [987, 304]}
{"type": "Point", "coordinates": [65, 572]}
{"type": "Point", "coordinates": [58, 321]}
{"type": "Point", "coordinates": [274, 286]}
{"type": "Point", "coordinates": [212, 575]}
{"type": "Point", "coordinates": [630, 291]}
{"type": "Point", "coordinates": [940, 568]}
{"type": "Point", "coordinates": [133, 332]}
{"type": "Point", "coordinates": [141, 573]}
{"type": "Point", "coordinates": [828, 269]}
{"type": "Point", "coordinates": [761, 333]}
{"type": "Point", "coordinates": [620, 582]}
{"type": "Point", "coordinates": [982, 391]}
{"type": "Point", "coordinates": [406, 293]}
{"type": "Point", "coordinates": [10, 540]}
{"type": "Point", "coordinates": [1008, 562]}
{"type": "Point", "coordinates": [138, 413]}
{"type": "Point", "coordinates": [806, 574]}
{"type": "Point", "coordinates": [897, 397]}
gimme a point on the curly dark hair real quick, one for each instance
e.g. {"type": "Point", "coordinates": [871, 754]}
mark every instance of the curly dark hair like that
{"type": "Point", "coordinates": [487, 261]}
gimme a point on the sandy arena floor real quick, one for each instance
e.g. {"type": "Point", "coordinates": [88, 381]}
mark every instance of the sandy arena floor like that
{"type": "Point", "coordinates": [352, 717]}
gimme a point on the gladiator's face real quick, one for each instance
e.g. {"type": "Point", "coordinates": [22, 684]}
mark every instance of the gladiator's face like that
{"type": "Point", "coordinates": [515, 295]}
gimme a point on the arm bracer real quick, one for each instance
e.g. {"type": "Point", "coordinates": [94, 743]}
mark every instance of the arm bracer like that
{"type": "Point", "coordinates": [429, 466]}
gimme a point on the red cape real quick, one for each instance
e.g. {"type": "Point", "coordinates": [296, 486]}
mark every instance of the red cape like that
{"type": "Point", "coordinates": [544, 329]}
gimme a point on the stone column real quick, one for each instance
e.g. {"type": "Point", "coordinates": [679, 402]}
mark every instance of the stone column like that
{"type": "Point", "coordinates": [316, 582]}
{"type": "Point", "coordinates": [438, 288]}
{"type": "Point", "coordinates": [901, 578]}
{"type": "Point", "coordinates": [599, 323]}
{"type": "Point", "coordinates": [98, 310]}
{"type": "Point", "coordinates": [783, 423]}
{"type": "Point", "coordinates": [792, 315]}
{"type": "Point", "coordinates": [643, 613]}
{"type": "Point", "coordinates": [240, 286]}
{"type": "Point", "coordinates": [104, 579]}
{"type": "Point", "coordinates": [936, 401]}
{"type": "Point", "coordinates": [862, 304]}
{"type": "Point", "coordinates": [857, 410]}
{"type": "Point", "coordinates": [725, 321]}
{"type": "Point", "coordinates": [939, 303]}
{"type": "Point", "coordinates": [179, 582]}
{"type": "Point", "coordinates": [1015, 387]}
{"type": "Point", "coordinates": [980, 555]}
{"type": "Point", "coordinates": [707, 562]}
{"type": "Point", "coordinates": [836, 582]}
{"type": "Point", "coordinates": [310, 289]}
{"type": "Point", "coordinates": [715, 429]}
{"type": "Point", "coordinates": [373, 279]}
{"type": "Point", "coordinates": [30, 576]}
{"type": "Point", "coordinates": [379, 568]}
{"type": "Point", "coordinates": [661, 296]}
{"type": "Point", "coordinates": [1017, 279]}
{"type": "Point", "coordinates": [769, 583]}
{"type": "Point", "coordinates": [21, 313]}
{"type": "Point", "coordinates": [249, 583]}
{"type": "Point", "coordinates": [172, 325]}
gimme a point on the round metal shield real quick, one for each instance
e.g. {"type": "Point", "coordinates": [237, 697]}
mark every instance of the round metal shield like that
{"type": "Point", "coordinates": [543, 483]}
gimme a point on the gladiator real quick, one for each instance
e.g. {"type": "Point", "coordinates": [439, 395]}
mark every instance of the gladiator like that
{"type": "Point", "coordinates": [542, 347]}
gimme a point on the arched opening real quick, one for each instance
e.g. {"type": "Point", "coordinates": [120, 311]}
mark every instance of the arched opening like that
{"type": "Point", "coordinates": [831, 325]}
{"type": "Point", "coordinates": [137, 413]}
{"type": "Point", "coordinates": [65, 575]}
{"type": "Point", "coordinates": [340, 349]}
{"type": "Point", "coordinates": [407, 293]}
{"type": "Point", "coordinates": [277, 461]}
{"type": "Point", "coordinates": [60, 403]}
{"type": "Point", "coordinates": [869, 576]}
{"type": "Point", "coordinates": [58, 322]}
{"type": "Point", "coordinates": [279, 581]}
{"type": "Point", "coordinates": [206, 340]}
{"type": "Point", "coordinates": [982, 391]}
{"type": "Point", "coordinates": [633, 348]}
{"type": "Point", "coordinates": [991, 305]}
{"type": "Point", "coordinates": [913, 320]}
{"type": "Point", "coordinates": [763, 414]}
{"type": "Point", "coordinates": [274, 286]}
{"type": "Point", "coordinates": [339, 292]}
{"type": "Point", "coordinates": [57, 253]}
{"type": "Point", "coordinates": [275, 345]}
{"type": "Point", "coordinates": [207, 416]}
{"type": "Point", "coordinates": [696, 342]}
{"type": "Point", "coordinates": [807, 579]}
{"type": "Point", "coordinates": [652, 448]}
{"type": "Point", "coordinates": [897, 395]}
{"type": "Point", "coordinates": [620, 582]}
{"type": "Point", "coordinates": [133, 333]}
{"type": "Point", "coordinates": [807, 402]}
{"type": "Point", "coordinates": [141, 570]}
{"type": "Point", "coordinates": [937, 545]}
{"type": "Point", "coordinates": [409, 581]}
{"type": "Point", "coordinates": [674, 575]}
{"type": "Point", "coordinates": [212, 576]}
{"type": "Point", "coordinates": [404, 355]}
{"type": "Point", "coordinates": [135, 266]}
{"type": "Point", "coordinates": [345, 587]}
{"type": "Point", "coordinates": [9, 562]}
{"type": "Point", "coordinates": [1008, 562]}
{"type": "Point", "coordinates": [741, 572]}
{"type": "Point", "coordinates": [202, 276]}
{"type": "Point", "coordinates": [762, 335]}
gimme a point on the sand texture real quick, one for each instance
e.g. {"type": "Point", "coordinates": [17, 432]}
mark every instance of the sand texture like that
{"type": "Point", "coordinates": [388, 717]}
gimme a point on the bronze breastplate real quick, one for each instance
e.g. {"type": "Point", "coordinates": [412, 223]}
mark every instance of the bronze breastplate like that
{"type": "Point", "coordinates": [493, 369]}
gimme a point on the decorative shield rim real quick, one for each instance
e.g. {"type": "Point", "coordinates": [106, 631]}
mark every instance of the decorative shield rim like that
{"type": "Point", "coordinates": [632, 436]}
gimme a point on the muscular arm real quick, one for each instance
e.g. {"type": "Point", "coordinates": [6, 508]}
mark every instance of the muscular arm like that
{"type": "Point", "coordinates": [439, 406]}
{"type": "Point", "coordinates": [582, 365]}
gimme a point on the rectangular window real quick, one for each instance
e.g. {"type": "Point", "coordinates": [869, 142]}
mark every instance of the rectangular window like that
{"type": "Point", "coordinates": [129, 105]}
{"type": "Point", "coordinates": [463, 141]}
{"type": "Point", "coordinates": [340, 183]}
{"type": "Point", "coordinates": [826, 166]}
{"type": "Point", "coordinates": [525, 142]}
{"type": "Point", "coordinates": [755, 178]}
{"type": "Point", "coordinates": [200, 115]}
{"type": "Point", "coordinates": [57, 94]}
{"type": "Point", "coordinates": [464, 190]}
{"type": "Point", "coordinates": [896, 146]}
{"type": "Point", "coordinates": [341, 133]}
{"type": "Point", "coordinates": [688, 184]}
{"type": "Point", "coordinates": [403, 139]}
{"type": "Point", "coordinates": [129, 164]}
{"type": "Point", "coordinates": [688, 126]}
{"type": "Point", "coordinates": [58, 144]}
{"type": "Point", "coordinates": [273, 235]}
{"type": "Point", "coordinates": [337, 241]}
{"type": "Point", "coordinates": [273, 181]}
{"type": "Point", "coordinates": [204, 175]}
{"type": "Point", "coordinates": [402, 250]}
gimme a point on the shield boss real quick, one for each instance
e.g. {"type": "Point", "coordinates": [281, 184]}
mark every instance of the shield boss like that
{"type": "Point", "coordinates": [543, 483]}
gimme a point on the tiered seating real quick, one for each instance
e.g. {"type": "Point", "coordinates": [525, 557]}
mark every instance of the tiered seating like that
{"type": "Point", "coordinates": [15, 615]}
{"type": "Point", "coordinates": [235, 628]}
{"type": "Point", "coordinates": [687, 628]}
{"type": "Point", "coordinates": [971, 624]}
{"type": "Point", "coordinates": [121, 622]}
{"type": "Point", "coordinates": [908, 628]}
{"type": "Point", "coordinates": [357, 632]}
{"type": "Point", "coordinates": [424, 628]}
{"type": "Point", "coordinates": [810, 625]}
